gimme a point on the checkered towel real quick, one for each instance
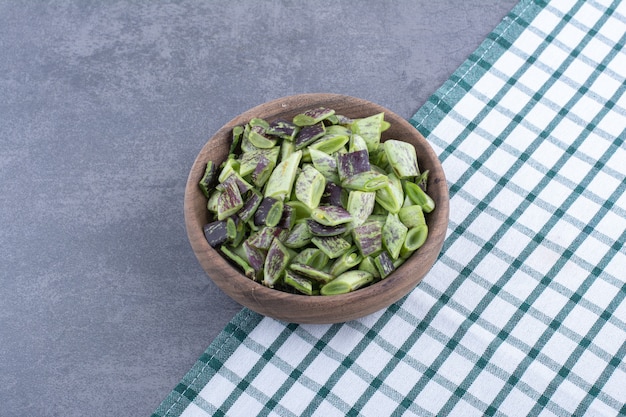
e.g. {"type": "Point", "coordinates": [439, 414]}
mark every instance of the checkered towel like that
{"type": "Point", "coordinates": [524, 312]}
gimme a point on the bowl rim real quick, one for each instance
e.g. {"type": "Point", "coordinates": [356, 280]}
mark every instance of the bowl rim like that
{"type": "Point", "coordinates": [367, 298]}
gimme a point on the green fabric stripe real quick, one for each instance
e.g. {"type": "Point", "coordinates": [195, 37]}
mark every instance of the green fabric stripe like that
{"type": "Point", "coordinates": [537, 291]}
{"type": "Point", "coordinates": [348, 363]}
{"type": "Point", "coordinates": [484, 251]}
{"type": "Point", "coordinates": [264, 358]}
{"type": "Point", "coordinates": [595, 329]}
{"type": "Point", "coordinates": [318, 346]}
{"type": "Point", "coordinates": [213, 358]}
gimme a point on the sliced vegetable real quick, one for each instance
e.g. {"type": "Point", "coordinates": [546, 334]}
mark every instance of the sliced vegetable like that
{"type": "Point", "coordinates": [309, 134]}
{"type": "Point", "coordinates": [299, 236]}
{"type": "Point", "coordinates": [369, 128]}
{"type": "Point", "coordinates": [347, 282]}
{"type": "Point", "coordinates": [330, 143]}
{"type": "Point", "coordinates": [418, 196]}
{"type": "Point", "coordinates": [250, 206]}
{"type": "Point", "coordinates": [402, 158]}
{"type": "Point", "coordinates": [333, 195]}
{"type": "Point", "coordinates": [393, 235]}
{"type": "Point", "coordinates": [345, 262]}
{"type": "Point", "coordinates": [276, 262]}
{"type": "Point", "coordinates": [318, 229]}
{"type": "Point", "coordinates": [352, 163]}
{"type": "Point", "coordinates": [367, 238]}
{"type": "Point", "coordinates": [415, 238]}
{"type": "Point", "coordinates": [331, 215]}
{"type": "Point", "coordinates": [207, 182]}
{"type": "Point", "coordinates": [216, 233]}
{"type": "Point", "coordinates": [281, 181]}
{"type": "Point", "coordinates": [229, 201]}
{"type": "Point", "coordinates": [332, 246]}
{"type": "Point", "coordinates": [269, 212]}
{"type": "Point", "coordinates": [384, 264]}
{"type": "Point", "coordinates": [325, 164]}
{"type": "Point", "coordinates": [284, 129]}
{"type": "Point", "coordinates": [312, 116]}
{"type": "Point", "coordinates": [311, 272]}
{"type": "Point", "coordinates": [412, 216]}
{"type": "Point", "coordinates": [360, 205]}
{"type": "Point", "coordinates": [239, 261]}
{"type": "Point", "coordinates": [391, 196]}
{"type": "Point", "coordinates": [365, 181]}
{"type": "Point", "coordinates": [298, 282]}
{"type": "Point", "coordinates": [310, 186]}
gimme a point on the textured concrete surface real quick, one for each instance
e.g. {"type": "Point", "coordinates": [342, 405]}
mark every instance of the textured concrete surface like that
{"type": "Point", "coordinates": [103, 307]}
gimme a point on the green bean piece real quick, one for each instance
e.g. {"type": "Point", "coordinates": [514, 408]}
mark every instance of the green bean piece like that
{"type": "Point", "coordinates": [312, 257]}
{"type": "Point", "coordinates": [215, 233]}
{"type": "Point", "coordinates": [299, 236]}
{"type": "Point", "coordinates": [257, 121]}
{"type": "Point", "coordinates": [352, 163]}
{"type": "Point", "coordinates": [367, 264]}
{"type": "Point", "coordinates": [418, 196]}
{"type": "Point", "coordinates": [236, 139]}
{"type": "Point", "coordinates": [250, 205]}
{"type": "Point", "coordinates": [365, 181]}
{"type": "Point", "coordinates": [311, 272]}
{"type": "Point", "coordinates": [402, 158]}
{"type": "Point", "coordinates": [331, 215]}
{"type": "Point", "coordinates": [347, 282]}
{"type": "Point", "coordinates": [360, 205]}
{"type": "Point", "coordinates": [283, 129]}
{"type": "Point", "coordinates": [269, 212]}
{"type": "Point", "coordinates": [357, 143]}
{"type": "Point", "coordinates": [332, 246]}
{"type": "Point", "coordinates": [262, 238]}
{"type": "Point", "coordinates": [367, 238]}
{"type": "Point", "coordinates": [298, 282]}
{"type": "Point", "coordinates": [231, 228]}
{"type": "Point", "coordinates": [415, 238]}
{"type": "Point", "coordinates": [301, 210]}
{"type": "Point", "coordinates": [286, 149]}
{"type": "Point", "coordinates": [229, 201]}
{"type": "Point", "coordinates": [288, 218]}
{"type": "Point", "coordinates": [309, 134]}
{"type": "Point", "coordinates": [249, 160]}
{"type": "Point", "coordinates": [310, 186]}
{"type": "Point", "coordinates": [259, 139]}
{"type": "Point", "coordinates": [412, 216]}
{"type": "Point", "coordinates": [318, 229]}
{"type": "Point", "coordinates": [391, 196]}
{"type": "Point", "coordinates": [384, 264]}
{"type": "Point", "coordinates": [393, 235]}
{"type": "Point", "coordinates": [422, 180]}
{"type": "Point", "coordinates": [325, 164]}
{"type": "Point", "coordinates": [207, 182]}
{"type": "Point", "coordinates": [369, 128]}
{"type": "Point", "coordinates": [330, 143]}
{"type": "Point", "coordinates": [228, 167]}
{"type": "Point", "coordinates": [282, 178]}
{"type": "Point", "coordinates": [239, 261]}
{"type": "Point", "coordinates": [255, 257]}
{"type": "Point", "coordinates": [276, 262]}
{"type": "Point", "coordinates": [312, 116]}
{"type": "Point", "coordinates": [211, 204]}
{"type": "Point", "coordinates": [345, 262]}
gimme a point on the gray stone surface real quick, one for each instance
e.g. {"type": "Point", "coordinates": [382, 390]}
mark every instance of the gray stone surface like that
{"type": "Point", "coordinates": [103, 307]}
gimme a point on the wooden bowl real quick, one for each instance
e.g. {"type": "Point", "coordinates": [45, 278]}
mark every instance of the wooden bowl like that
{"type": "Point", "coordinates": [317, 309]}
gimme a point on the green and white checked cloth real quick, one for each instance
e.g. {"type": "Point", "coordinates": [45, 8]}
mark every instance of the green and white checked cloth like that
{"type": "Point", "coordinates": [524, 312]}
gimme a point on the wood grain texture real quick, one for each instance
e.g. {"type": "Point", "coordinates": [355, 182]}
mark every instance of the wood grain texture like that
{"type": "Point", "coordinates": [317, 309]}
